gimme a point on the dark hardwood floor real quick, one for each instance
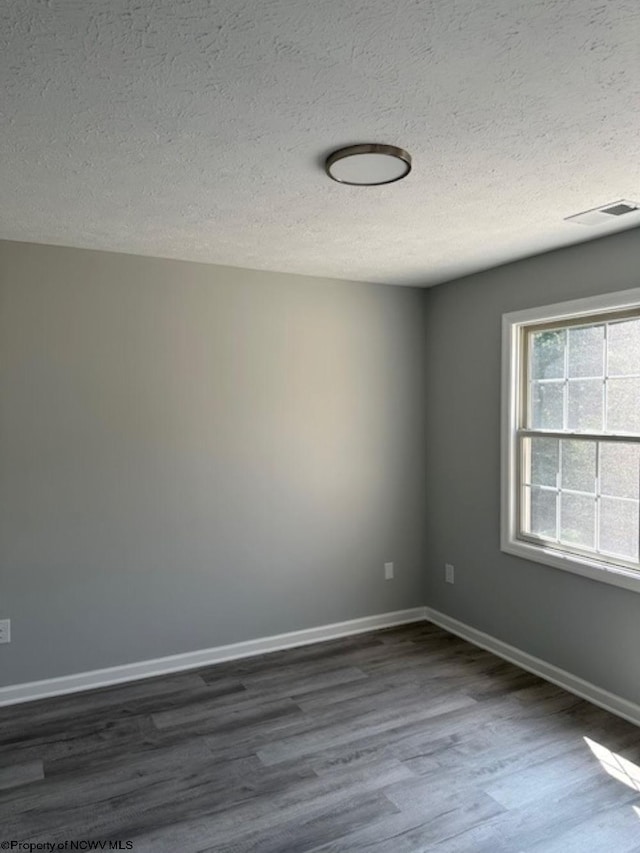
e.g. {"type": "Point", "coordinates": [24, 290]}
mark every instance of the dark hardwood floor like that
{"type": "Point", "coordinates": [402, 740]}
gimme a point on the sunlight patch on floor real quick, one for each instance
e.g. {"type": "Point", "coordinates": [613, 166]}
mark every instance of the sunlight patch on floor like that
{"type": "Point", "coordinates": [620, 768]}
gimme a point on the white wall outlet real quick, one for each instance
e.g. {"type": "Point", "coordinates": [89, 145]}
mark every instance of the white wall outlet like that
{"type": "Point", "coordinates": [448, 573]}
{"type": "Point", "coordinates": [388, 571]}
{"type": "Point", "coordinates": [5, 630]}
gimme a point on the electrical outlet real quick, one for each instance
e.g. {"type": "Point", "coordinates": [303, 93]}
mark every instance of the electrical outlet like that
{"type": "Point", "coordinates": [388, 571]}
{"type": "Point", "coordinates": [448, 573]}
{"type": "Point", "coordinates": [5, 630]}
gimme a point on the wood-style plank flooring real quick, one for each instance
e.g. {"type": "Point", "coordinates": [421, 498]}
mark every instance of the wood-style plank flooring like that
{"type": "Point", "coordinates": [398, 741]}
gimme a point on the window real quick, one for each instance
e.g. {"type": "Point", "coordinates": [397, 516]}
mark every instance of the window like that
{"type": "Point", "coordinates": [571, 436]}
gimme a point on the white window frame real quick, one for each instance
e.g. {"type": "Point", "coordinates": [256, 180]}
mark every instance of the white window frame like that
{"type": "Point", "coordinates": [513, 325]}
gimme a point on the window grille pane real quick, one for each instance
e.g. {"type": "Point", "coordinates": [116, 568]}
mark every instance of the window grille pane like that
{"type": "Point", "coordinates": [585, 405]}
{"type": "Point", "coordinates": [547, 405]}
{"type": "Point", "coordinates": [544, 460]}
{"type": "Point", "coordinates": [577, 520]}
{"type": "Point", "coordinates": [581, 496]}
{"type": "Point", "coordinates": [579, 466]}
{"type": "Point", "coordinates": [586, 351]}
{"type": "Point", "coordinates": [619, 527]}
{"type": "Point", "coordinates": [624, 348]}
{"type": "Point", "coordinates": [547, 354]}
{"type": "Point", "coordinates": [623, 405]}
{"type": "Point", "coordinates": [620, 470]}
{"type": "Point", "coordinates": [542, 521]}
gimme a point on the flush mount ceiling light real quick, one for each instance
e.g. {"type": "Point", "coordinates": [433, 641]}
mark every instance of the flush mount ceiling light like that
{"type": "Point", "coordinates": [368, 165]}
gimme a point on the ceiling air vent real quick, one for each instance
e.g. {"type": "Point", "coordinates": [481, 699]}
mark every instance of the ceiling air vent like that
{"type": "Point", "coordinates": [607, 213]}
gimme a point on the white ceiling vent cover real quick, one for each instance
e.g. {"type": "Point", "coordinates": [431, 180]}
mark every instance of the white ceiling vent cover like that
{"type": "Point", "coordinates": [615, 210]}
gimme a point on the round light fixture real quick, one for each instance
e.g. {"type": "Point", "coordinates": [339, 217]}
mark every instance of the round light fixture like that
{"type": "Point", "coordinates": [368, 165]}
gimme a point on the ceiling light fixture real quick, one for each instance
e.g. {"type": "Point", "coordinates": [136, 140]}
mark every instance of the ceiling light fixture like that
{"type": "Point", "coordinates": [368, 165]}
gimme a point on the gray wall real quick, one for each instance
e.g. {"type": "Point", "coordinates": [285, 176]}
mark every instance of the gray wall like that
{"type": "Point", "coordinates": [194, 455]}
{"type": "Point", "coordinates": [586, 627]}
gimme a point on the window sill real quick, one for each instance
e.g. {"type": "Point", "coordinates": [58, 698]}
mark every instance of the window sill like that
{"type": "Point", "coordinates": [592, 569]}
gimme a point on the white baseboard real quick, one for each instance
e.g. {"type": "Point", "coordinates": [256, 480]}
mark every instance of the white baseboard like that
{"type": "Point", "coordinates": [585, 689]}
{"type": "Point", "coordinates": [29, 691]}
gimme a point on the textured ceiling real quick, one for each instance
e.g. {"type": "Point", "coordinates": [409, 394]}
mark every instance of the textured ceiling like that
{"type": "Point", "coordinates": [196, 129]}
